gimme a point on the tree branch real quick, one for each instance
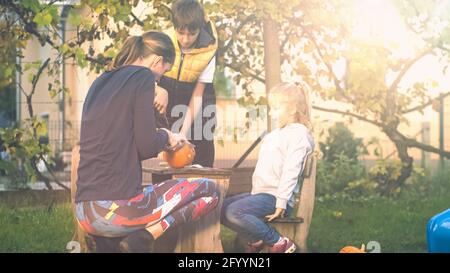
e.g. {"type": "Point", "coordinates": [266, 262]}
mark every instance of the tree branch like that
{"type": "Point", "coordinates": [55, 179]}
{"type": "Point", "coordinates": [329, 67]}
{"type": "Point", "coordinates": [94, 60]}
{"type": "Point", "coordinates": [425, 147]}
{"type": "Point", "coordinates": [348, 113]}
{"type": "Point", "coordinates": [21, 89]}
{"type": "Point", "coordinates": [430, 102]}
{"type": "Point", "coordinates": [37, 76]}
{"type": "Point", "coordinates": [285, 57]}
{"type": "Point", "coordinates": [322, 57]}
{"type": "Point", "coordinates": [238, 69]}
{"type": "Point", "coordinates": [391, 94]}
{"type": "Point", "coordinates": [405, 69]}
{"type": "Point", "coordinates": [29, 97]}
{"type": "Point", "coordinates": [237, 31]}
{"type": "Point", "coordinates": [137, 19]}
{"type": "Point", "coordinates": [40, 176]}
{"type": "Point", "coordinates": [30, 26]}
{"type": "Point", "coordinates": [442, 47]}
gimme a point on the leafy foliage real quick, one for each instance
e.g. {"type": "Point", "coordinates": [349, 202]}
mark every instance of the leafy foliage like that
{"type": "Point", "coordinates": [342, 173]}
{"type": "Point", "coordinates": [340, 141]}
{"type": "Point", "coordinates": [23, 150]}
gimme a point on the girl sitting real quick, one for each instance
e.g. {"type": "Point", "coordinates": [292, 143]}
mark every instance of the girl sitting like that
{"type": "Point", "coordinates": [281, 160]}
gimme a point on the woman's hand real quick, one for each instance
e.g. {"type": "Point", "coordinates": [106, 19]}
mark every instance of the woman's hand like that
{"type": "Point", "coordinates": [175, 140]}
{"type": "Point", "coordinates": [161, 99]}
{"type": "Point", "coordinates": [279, 212]}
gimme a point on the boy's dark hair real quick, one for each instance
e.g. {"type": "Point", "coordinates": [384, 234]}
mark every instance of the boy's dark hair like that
{"type": "Point", "coordinates": [188, 14]}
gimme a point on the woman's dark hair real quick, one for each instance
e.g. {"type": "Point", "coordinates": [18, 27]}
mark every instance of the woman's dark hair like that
{"type": "Point", "coordinates": [151, 42]}
{"type": "Point", "coordinates": [188, 14]}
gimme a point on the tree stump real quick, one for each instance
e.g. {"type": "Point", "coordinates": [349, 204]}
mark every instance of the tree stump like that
{"type": "Point", "coordinates": [79, 234]}
{"type": "Point", "coordinates": [202, 236]}
{"type": "Point", "coordinates": [88, 243]}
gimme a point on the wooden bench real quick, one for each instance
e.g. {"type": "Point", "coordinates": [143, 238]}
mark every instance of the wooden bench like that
{"type": "Point", "coordinates": [296, 227]}
{"type": "Point", "coordinates": [231, 182]}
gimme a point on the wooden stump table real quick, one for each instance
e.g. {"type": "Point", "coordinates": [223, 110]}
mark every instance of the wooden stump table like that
{"type": "Point", "coordinates": [202, 236]}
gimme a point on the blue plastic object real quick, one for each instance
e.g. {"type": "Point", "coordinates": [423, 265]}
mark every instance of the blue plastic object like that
{"type": "Point", "coordinates": [438, 233]}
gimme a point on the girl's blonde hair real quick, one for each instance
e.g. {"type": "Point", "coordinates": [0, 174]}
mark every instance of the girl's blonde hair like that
{"type": "Point", "coordinates": [298, 99]}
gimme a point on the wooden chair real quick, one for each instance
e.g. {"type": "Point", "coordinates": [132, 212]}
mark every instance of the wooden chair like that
{"type": "Point", "coordinates": [296, 228]}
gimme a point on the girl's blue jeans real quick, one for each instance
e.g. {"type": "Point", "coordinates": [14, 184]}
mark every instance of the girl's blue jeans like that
{"type": "Point", "coordinates": [245, 213]}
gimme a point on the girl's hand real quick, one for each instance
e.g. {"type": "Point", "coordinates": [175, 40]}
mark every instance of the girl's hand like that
{"type": "Point", "coordinates": [279, 212]}
{"type": "Point", "coordinates": [161, 99]}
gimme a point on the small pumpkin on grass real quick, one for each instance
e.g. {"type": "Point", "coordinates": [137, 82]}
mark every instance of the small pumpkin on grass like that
{"type": "Point", "coordinates": [353, 249]}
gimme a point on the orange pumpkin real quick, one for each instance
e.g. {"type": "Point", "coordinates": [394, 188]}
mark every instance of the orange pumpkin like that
{"type": "Point", "coordinates": [352, 249]}
{"type": "Point", "coordinates": [180, 157]}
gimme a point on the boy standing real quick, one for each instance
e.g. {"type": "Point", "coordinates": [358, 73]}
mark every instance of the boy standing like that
{"type": "Point", "coordinates": [189, 84]}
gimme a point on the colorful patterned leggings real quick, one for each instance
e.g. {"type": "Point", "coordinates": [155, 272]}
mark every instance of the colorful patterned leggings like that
{"type": "Point", "coordinates": [170, 203]}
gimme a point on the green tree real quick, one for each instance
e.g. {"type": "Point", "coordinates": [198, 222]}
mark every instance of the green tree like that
{"type": "Point", "coordinates": [319, 34]}
{"type": "Point", "coordinates": [308, 35]}
{"type": "Point", "coordinates": [94, 20]}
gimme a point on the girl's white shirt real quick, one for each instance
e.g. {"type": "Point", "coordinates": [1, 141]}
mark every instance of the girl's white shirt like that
{"type": "Point", "coordinates": [281, 160]}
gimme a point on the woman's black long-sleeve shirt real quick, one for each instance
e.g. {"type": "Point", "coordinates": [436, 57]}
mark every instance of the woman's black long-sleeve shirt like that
{"type": "Point", "coordinates": [117, 132]}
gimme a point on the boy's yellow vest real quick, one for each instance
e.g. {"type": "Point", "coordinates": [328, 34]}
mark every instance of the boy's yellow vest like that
{"type": "Point", "coordinates": [194, 61]}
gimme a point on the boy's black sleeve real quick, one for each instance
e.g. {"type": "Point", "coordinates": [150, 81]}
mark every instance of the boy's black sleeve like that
{"type": "Point", "coordinates": [149, 140]}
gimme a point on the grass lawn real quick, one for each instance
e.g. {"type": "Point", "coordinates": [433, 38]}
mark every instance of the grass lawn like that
{"type": "Point", "coordinates": [35, 229]}
{"type": "Point", "coordinates": [396, 226]}
{"type": "Point", "coordinates": [399, 226]}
